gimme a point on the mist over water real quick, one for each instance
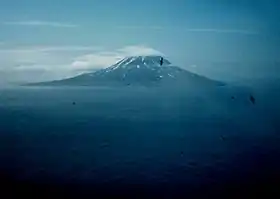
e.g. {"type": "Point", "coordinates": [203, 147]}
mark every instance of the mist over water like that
{"type": "Point", "coordinates": [129, 136]}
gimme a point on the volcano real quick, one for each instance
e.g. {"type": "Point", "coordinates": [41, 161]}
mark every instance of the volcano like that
{"type": "Point", "coordinates": [136, 70]}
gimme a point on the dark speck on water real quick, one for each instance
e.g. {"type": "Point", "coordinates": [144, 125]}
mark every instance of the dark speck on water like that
{"type": "Point", "coordinates": [222, 138]}
{"type": "Point", "coordinates": [252, 99]}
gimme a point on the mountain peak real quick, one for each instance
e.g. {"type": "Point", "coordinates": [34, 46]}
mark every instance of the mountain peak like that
{"type": "Point", "coordinates": [140, 70]}
{"type": "Point", "coordinates": [134, 61]}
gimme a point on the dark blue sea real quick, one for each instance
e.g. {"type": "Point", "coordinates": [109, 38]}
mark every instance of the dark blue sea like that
{"type": "Point", "coordinates": [138, 141]}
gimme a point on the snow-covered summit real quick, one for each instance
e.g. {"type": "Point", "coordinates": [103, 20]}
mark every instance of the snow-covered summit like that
{"type": "Point", "coordinates": [140, 61]}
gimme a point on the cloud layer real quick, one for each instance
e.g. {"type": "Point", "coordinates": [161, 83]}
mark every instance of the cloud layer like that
{"type": "Point", "coordinates": [106, 58]}
{"type": "Point", "coordinates": [41, 23]}
{"type": "Point", "coordinates": [39, 63]}
{"type": "Point", "coordinates": [207, 30]}
{"type": "Point", "coordinates": [226, 31]}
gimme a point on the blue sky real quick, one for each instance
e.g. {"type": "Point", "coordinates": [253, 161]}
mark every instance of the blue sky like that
{"type": "Point", "coordinates": [54, 39]}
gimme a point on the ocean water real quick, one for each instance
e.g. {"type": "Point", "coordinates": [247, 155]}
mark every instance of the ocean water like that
{"type": "Point", "coordinates": [157, 140]}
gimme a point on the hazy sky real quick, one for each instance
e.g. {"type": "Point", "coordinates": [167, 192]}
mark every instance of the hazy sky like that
{"type": "Point", "coordinates": [48, 39]}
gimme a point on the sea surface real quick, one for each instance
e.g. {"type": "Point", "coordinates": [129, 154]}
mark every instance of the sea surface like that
{"type": "Point", "coordinates": [165, 141]}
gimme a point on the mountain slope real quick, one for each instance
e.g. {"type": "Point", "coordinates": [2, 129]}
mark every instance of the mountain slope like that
{"type": "Point", "coordinates": [137, 70]}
